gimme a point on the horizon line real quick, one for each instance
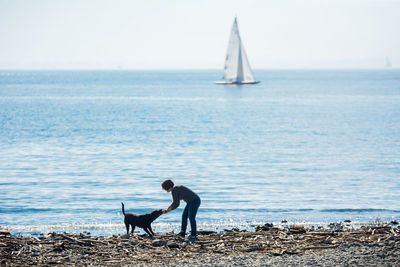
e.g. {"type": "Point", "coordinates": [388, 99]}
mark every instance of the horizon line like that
{"type": "Point", "coordinates": [191, 69]}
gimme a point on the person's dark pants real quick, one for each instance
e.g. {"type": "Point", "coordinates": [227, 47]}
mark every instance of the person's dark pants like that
{"type": "Point", "coordinates": [190, 212]}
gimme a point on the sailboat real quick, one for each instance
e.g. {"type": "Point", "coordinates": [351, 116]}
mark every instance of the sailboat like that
{"type": "Point", "coordinates": [237, 68]}
{"type": "Point", "coordinates": [388, 64]}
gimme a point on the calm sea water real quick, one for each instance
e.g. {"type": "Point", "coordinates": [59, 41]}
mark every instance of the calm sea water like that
{"type": "Point", "coordinates": [305, 146]}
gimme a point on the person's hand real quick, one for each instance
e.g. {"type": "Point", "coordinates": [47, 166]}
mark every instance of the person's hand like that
{"type": "Point", "coordinates": [164, 211]}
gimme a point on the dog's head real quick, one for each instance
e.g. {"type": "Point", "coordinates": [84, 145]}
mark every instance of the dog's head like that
{"type": "Point", "coordinates": [155, 214]}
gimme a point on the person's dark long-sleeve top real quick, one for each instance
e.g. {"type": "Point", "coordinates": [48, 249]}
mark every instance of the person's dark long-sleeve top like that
{"type": "Point", "coordinates": [182, 193]}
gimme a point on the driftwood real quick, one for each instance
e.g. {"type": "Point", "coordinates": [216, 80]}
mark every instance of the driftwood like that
{"type": "Point", "coordinates": [73, 249]}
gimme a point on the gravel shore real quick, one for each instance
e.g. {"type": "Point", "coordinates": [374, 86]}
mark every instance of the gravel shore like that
{"type": "Point", "coordinates": [266, 246]}
{"type": "Point", "coordinates": [344, 255]}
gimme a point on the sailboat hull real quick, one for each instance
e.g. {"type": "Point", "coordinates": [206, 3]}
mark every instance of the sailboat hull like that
{"type": "Point", "coordinates": [236, 83]}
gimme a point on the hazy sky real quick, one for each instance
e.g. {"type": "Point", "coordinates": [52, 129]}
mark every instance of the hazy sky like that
{"type": "Point", "coordinates": [193, 34]}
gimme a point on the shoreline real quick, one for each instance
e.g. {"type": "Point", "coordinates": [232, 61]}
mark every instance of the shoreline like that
{"type": "Point", "coordinates": [162, 228]}
{"type": "Point", "coordinates": [265, 245]}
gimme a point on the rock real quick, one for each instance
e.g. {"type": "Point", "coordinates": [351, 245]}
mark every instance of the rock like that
{"type": "Point", "coordinates": [59, 247]}
{"type": "Point", "coordinates": [297, 230]}
{"type": "Point", "coordinates": [347, 221]}
{"type": "Point", "coordinates": [327, 242]}
{"type": "Point", "coordinates": [172, 244]}
{"type": "Point", "coordinates": [158, 243]}
{"type": "Point", "coordinates": [4, 232]}
{"type": "Point", "coordinates": [205, 232]}
{"type": "Point", "coordinates": [336, 226]}
{"type": "Point", "coordinates": [283, 221]}
{"type": "Point", "coordinates": [265, 227]}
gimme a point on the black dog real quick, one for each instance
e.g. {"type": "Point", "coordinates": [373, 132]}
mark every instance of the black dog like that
{"type": "Point", "coordinates": [143, 221]}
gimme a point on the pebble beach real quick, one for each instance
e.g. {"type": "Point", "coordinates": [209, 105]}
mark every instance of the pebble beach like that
{"type": "Point", "coordinates": [266, 245]}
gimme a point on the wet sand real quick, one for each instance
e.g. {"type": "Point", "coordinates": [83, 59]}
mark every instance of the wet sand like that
{"type": "Point", "coordinates": [266, 245]}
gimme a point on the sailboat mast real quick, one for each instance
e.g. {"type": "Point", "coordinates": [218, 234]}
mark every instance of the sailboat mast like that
{"type": "Point", "coordinates": [239, 73]}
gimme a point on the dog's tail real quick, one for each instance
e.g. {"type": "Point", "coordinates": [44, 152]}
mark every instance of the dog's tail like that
{"type": "Point", "coordinates": [123, 208]}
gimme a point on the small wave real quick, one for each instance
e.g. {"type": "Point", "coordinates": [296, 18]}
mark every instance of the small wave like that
{"type": "Point", "coordinates": [123, 98]}
{"type": "Point", "coordinates": [62, 227]}
{"type": "Point", "coordinates": [224, 210]}
{"type": "Point", "coordinates": [24, 228]}
{"type": "Point", "coordinates": [13, 210]}
{"type": "Point", "coordinates": [29, 210]}
{"type": "Point", "coordinates": [358, 210]}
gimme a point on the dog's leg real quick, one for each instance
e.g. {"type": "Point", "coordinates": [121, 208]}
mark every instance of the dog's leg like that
{"type": "Point", "coordinates": [147, 231]}
{"type": "Point", "coordinates": [127, 228]}
{"type": "Point", "coordinates": [133, 228]}
{"type": "Point", "coordinates": [151, 230]}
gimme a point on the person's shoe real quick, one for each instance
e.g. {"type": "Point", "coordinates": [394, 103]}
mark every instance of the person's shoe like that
{"type": "Point", "coordinates": [192, 237]}
{"type": "Point", "coordinates": [181, 234]}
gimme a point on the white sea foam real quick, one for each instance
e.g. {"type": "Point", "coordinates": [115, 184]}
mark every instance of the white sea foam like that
{"type": "Point", "coordinates": [168, 226]}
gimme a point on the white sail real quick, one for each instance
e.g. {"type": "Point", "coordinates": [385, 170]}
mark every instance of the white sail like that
{"type": "Point", "coordinates": [237, 68]}
{"type": "Point", "coordinates": [247, 73]}
{"type": "Point", "coordinates": [232, 54]}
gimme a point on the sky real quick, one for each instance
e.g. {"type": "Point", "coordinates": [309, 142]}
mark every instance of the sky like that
{"type": "Point", "coordinates": [193, 34]}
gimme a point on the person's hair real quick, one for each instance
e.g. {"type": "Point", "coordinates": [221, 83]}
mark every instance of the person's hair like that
{"type": "Point", "coordinates": [167, 184]}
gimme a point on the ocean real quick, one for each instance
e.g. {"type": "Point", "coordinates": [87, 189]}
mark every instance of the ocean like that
{"type": "Point", "coordinates": [305, 146]}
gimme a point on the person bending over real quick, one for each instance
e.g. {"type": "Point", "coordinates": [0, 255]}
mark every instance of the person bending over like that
{"type": "Point", "coordinates": [192, 205]}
